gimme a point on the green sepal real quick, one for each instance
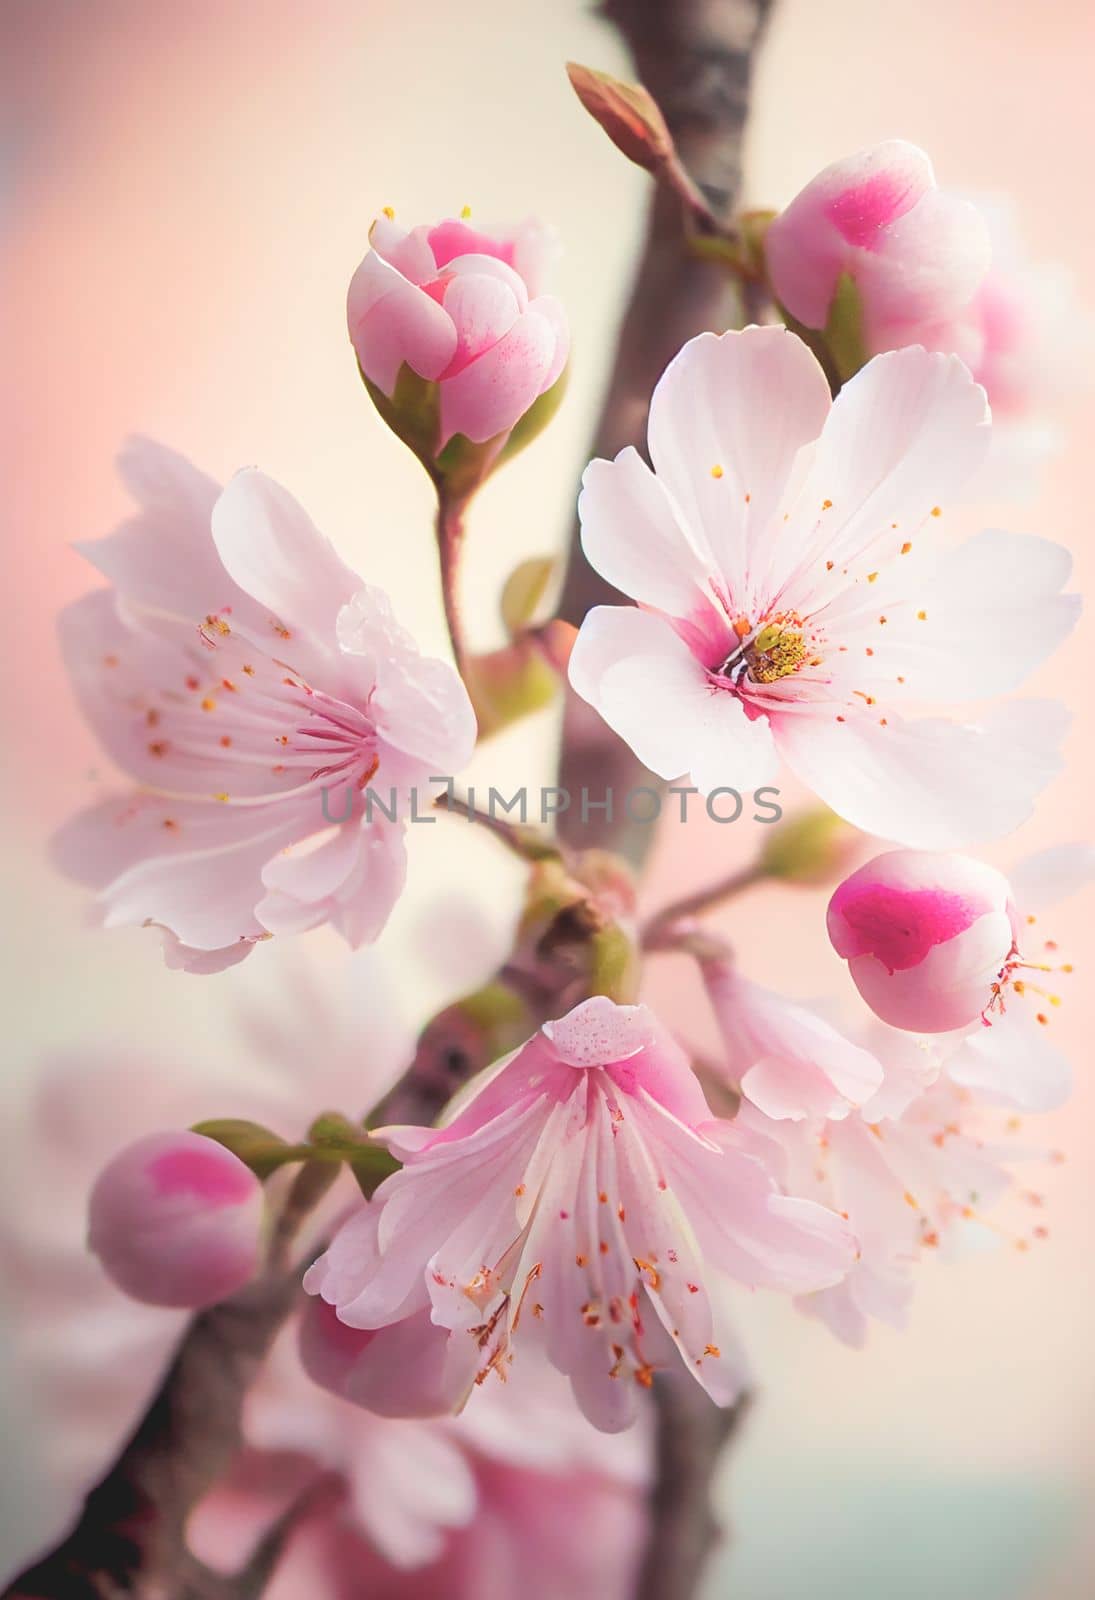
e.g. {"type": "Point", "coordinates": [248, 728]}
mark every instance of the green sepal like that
{"type": "Point", "coordinates": [264, 1152]}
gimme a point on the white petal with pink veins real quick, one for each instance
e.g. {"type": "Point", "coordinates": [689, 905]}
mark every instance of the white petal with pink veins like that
{"type": "Point", "coordinates": [930, 784]}
{"type": "Point", "coordinates": [634, 538]}
{"type": "Point", "coordinates": [727, 421]}
{"type": "Point", "coordinates": [633, 668]}
{"type": "Point", "coordinates": [419, 704]}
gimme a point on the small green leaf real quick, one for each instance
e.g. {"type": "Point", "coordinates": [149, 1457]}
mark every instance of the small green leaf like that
{"type": "Point", "coordinates": [255, 1145]}
{"type": "Point", "coordinates": [524, 591]}
{"type": "Point", "coordinates": [335, 1138]}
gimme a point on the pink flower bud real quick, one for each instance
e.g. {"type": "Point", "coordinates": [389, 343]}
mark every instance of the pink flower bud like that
{"type": "Point", "coordinates": [914, 253]}
{"type": "Point", "coordinates": [176, 1220]}
{"type": "Point", "coordinates": [925, 936]}
{"type": "Point", "coordinates": [452, 332]}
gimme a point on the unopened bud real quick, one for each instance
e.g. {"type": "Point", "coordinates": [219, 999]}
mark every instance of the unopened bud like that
{"type": "Point", "coordinates": [176, 1220]}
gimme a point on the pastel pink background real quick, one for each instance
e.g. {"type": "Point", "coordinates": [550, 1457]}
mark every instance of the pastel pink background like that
{"type": "Point", "coordinates": [184, 192]}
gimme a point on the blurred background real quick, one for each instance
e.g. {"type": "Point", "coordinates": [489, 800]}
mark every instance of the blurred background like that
{"type": "Point", "coordinates": [184, 193]}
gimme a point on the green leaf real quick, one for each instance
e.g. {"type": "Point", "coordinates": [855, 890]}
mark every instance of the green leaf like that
{"type": "Point", "coordinates": [255, 1145]}
{"type": "Point", "coordinates": [524, 592]}
{"type": "Point", "coordinates": [335, 1138]}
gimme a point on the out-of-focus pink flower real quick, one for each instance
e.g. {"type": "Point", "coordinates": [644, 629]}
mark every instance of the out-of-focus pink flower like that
{"type": "Point", "coordinates": [1028, 339]}
{"type": "Point", "coordinates": [176, 1220]}
{"type": "Point", "coordinates": [582, 1201]}
{"type": "Point", "coordinates": [914, 252]}
{"type": "Point", "coordinates": [794, 595]}
{"type": "Point", "coordinates": [409, 1485]}
{"type": "Point", "coordinates": [917, 1169]}
{"type": "Point", "coordinates": [464, 310]}
{"type": "Point", "coordinates": [534, 1533]}
{"type": "Point", "coordinates": [941, 944]}
{"type": "Point", "coordinates": [260, 696]}
{"type": "Point", "coordinates": [786, 1059]}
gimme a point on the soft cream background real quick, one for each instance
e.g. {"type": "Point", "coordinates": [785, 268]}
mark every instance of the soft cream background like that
{"type": "Point", "coordinates": [185, 190]}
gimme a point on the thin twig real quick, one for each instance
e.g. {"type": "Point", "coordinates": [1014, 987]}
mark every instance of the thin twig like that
{"type": "Point", "coordinates": [528, 843]}
{"type": "Point", "coordinates": [657, 934]}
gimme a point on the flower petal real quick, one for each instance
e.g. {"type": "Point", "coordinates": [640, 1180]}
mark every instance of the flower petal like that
{"type": "Point", "coordinates": [727, 420]}
{"type": "Point", "coordinates": [492, 394]}
{"type": "Point", "coordinates": [1013, 1063]}
{"type": "Point", "coordinates": [393, 322]}
{"type": "Point", "coordinates": [902, 438]}
{"type": "Point", "coordinates": [647, 685]}
{"type": "Point", "coordinates": [930, 784]}
{"type": "Point", "coordinates": [274, 551]}
{"type": "Point", "coordinates": [632, 536]}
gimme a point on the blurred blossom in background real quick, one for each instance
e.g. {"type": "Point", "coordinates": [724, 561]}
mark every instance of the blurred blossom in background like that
{"type": "Point", "coordinates": [184, 194]}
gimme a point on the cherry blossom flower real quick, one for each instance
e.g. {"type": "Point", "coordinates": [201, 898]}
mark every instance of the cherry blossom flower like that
{"type": "Point", "coordinates": [90, 1357]}
{"type": "Point", "coordinates": [918, 1169]}
{"type": "Point", "coordinates": [784, 1057]}
{"type": "Point", "coordinates": [941, 944]}
{"type": "Point", "coordinates": [913, 251]}
{"type": "Point", "coordinates": [583, 1200]}
{"type": "Point", "coordinates": [794, 595]}
{"type": "Point", "coordinates": [260, 696]}
{"type": "Point", "coordinates": [464, 310]}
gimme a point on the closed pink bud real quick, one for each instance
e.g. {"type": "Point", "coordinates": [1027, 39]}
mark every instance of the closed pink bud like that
{"type": "Point", "coordinates": [926, 937]}
{"type": "Point", "coordinates": [176, 1220]}
{"type": "Point", "coordinates": [452, 331]}
{"type": "Point", "coordinates": [913, 252]}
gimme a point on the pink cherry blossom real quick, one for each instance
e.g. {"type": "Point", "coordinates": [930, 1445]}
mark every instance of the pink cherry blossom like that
{"type": "Point", "coordinates": [1027, 338]}
{"type": "Point", "coordinates": [942, 944]}
{"type": "Point", "coordinates": [176, 1220]}
{"type": "Point", "coordinates": [463, 308]}
{"type": "Point", "coordinates": [918, 1169]}
{"type": "Point", "coordinates": [90, 1357]}
{"type": "Point", "coordinates": [259, 695]}
{"type": "Point", "coordinates": [785, 1058]}
{"type": "Point", "coordinates": [794, 594]}
{"type": "Point", "coordinates": [913, 251]}
{"type": "Point", "coordinates": [583, 1201]}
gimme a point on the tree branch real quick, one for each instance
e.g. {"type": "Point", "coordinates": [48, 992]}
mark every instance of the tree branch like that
{"type": "Point", "coordinates": [696, 58]}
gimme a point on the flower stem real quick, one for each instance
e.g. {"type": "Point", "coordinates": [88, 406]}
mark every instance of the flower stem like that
{"type": "Point", "coordinates": [658, 931]}
{"type": "Point", "coordinates": [450, 545]}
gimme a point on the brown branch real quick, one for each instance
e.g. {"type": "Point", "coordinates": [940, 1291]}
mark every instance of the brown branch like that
{"type": "Point", "coordinates": [696, 58]}
{"type": "Point", "coordinates": [657, 935]}
{"type": "Point", "coordinates": [131, 1531]}
{"type": "Point", "coordinates": [691, 1435]}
